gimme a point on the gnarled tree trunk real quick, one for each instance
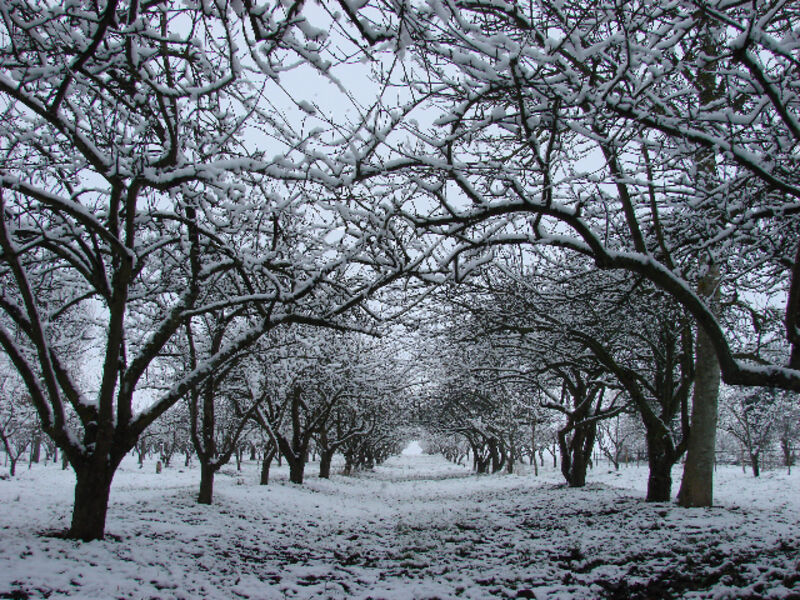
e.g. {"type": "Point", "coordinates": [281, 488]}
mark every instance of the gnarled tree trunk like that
{"type": "Point", "coordinates": [660, 458]}
{"type": "Point", "coordinates": [92, 489]}
{"type": "Point", "coordinates": [576, 452]}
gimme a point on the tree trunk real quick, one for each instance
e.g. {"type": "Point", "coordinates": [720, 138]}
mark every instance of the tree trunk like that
{"type": "Point", "coordinates": [269, 454]}
{"type": "Point", "coordinates": [755, 464]}
{"type": "Point", "coordinates": [659, 459]}
{"type": "Point", "coordinates": [265, 465]}
{"type": "Point", "coordinates": [92, 489]}
{"type": "Point", "coordinates": [325, 458]}
{"type": "Point", "coordinates": [481, 463]}
{"type": "Point", "coordinates": [510, 459]}
{"type": "Point", "coordinates": [575, 453]}
{"type": "Point", "coordinates": [13, 469]}
{"type": "Point", "coordinates": [36, 449]}
{"type": "Point", "coordinates": [370, 460]}
{"type": "Point", "coordinates": [297, 468]}
{"type": "Point", "coordinates": [576, 477]}
{"type": "Point", "coordinates": [496, 454]}
{"type": "Point", "coordinates": [788, 454]}
{"type": "Point", "coordinates": [697, 485]}
{"type": "Point", "coordinates": [206, 483]}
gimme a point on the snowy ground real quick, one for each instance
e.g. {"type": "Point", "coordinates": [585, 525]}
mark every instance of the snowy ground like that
{"type": "Point", "coordinates": [417, 527]}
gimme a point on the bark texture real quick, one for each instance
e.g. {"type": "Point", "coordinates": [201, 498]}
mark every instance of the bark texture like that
{"type": "Point", "coordinates": [92, 489]}
{"type": "Point", "coordinates": [697, 485]}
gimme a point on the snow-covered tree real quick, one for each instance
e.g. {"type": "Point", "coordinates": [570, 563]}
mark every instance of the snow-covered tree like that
{"type": "Point", "coordinates": [18, 421]}
{"type": "Point", "coordinates": [657, 138]}
{"type": "Point", "coordinates": [750, 418]}
{"type": "Point", "coordinates": [616, 437]}
{"type": "Point", "coordinates": [787, 428]}
{"type": "Point", "coordinates": [138, 140]}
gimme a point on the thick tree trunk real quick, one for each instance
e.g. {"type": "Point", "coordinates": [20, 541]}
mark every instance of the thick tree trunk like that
{"type": "Point", "coordinates": [92, 489]}
{"type": "Point", "coordinates": [755, 464]}
{"type": "Point", "coordinates": [325, 458]}
{"type": "Point", "coordinates": [575, 454]}
{"type": "Point", "coordinates": [206, 483]}
{"type": "Point", "coordinates": [577, 476]}
{"type": "Point", "coordinates": [13, 468]}
{"type": "Point", "coordinates": [659, 458]}
{"type": "Point", "coordinates": [297, 469]}
{"type": "Point", "coordinates": [697, 485]}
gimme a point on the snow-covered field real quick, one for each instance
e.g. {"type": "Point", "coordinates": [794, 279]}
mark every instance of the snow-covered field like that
{"type": "Point", "coordinates": [417, 527]}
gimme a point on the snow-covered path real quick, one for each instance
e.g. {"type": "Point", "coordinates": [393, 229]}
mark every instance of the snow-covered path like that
{"type": "Point", "coordinates": [417, 527]}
